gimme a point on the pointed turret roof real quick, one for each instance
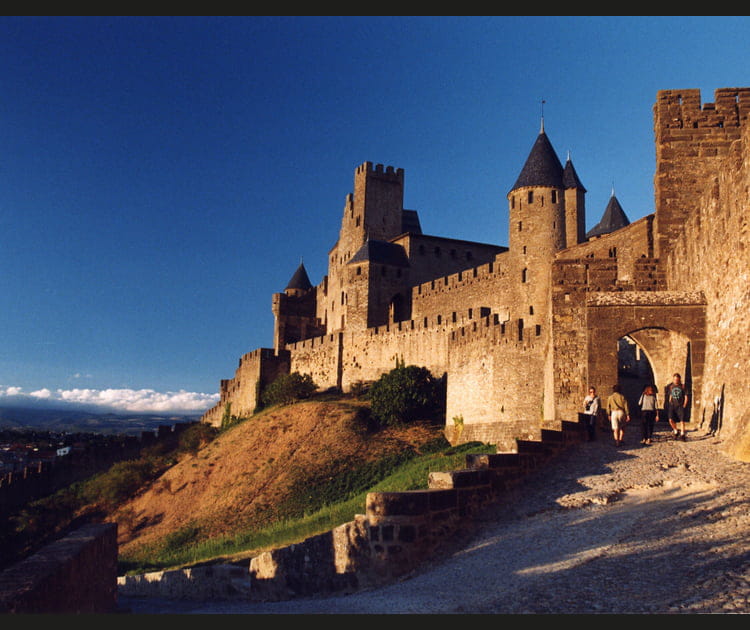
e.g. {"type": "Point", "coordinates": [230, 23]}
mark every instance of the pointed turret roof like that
{"type": "Point", "coordinates": [570, 177]}
{"type": "Point", "coordinates": [543, 167]}
{"type": "Point", "coordinates": [300, 280]}
{"type": "Point", "coordinates": [614, 218]}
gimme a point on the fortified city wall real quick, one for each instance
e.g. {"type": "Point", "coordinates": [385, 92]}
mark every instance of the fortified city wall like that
{"type": "Point", "coordinates": [524, 332]}
{"type": "Point", "coordinates": [703, 176]}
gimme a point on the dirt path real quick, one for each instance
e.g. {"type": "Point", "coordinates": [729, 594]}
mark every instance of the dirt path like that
{"type": "Point", "coordinates": [663, 528]}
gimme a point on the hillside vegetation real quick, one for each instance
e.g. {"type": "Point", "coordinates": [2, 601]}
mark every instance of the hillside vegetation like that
{"type": "Point", "coordinates": [277, 466]}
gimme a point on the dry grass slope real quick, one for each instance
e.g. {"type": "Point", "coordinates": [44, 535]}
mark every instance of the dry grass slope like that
{"type": "Point", "coordinates": [241, 478]}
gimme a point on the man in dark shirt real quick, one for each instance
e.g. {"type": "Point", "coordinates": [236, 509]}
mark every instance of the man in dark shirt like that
{"type": "Point", "coordinates": [676, 402]}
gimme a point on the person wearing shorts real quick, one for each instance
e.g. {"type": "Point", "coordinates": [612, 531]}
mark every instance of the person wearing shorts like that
{"type": "Point", "coordinates": [676, 402]}
{"type": "Point", "coordinates": [619, 414]}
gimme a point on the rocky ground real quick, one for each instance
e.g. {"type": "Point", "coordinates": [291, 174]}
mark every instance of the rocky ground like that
{"type": "Point", "coordinates": [661, 528]}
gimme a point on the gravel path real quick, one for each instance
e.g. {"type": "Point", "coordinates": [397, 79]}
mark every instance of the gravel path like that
{"type": "Point", "coordinates": [663, 528]}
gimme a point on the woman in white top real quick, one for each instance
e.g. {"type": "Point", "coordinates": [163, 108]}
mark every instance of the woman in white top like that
{"type": "Point", "coordinates": [649, 413]}
{"type": "Point", "coordinates": [591, 406]}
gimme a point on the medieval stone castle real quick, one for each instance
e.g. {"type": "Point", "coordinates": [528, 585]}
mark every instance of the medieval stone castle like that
{"type": "Point", "coordinates": [520, 332]}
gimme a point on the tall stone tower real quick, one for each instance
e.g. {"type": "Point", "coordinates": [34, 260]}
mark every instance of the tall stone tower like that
{"type": "Point", "coordinates": [541, 224]}
{"type": "Point", "coordinates": [374, 212]}
{"type": "Point", "coordinates": [538, 227]}
{"type": "Point", "coordinates": [690, 141]}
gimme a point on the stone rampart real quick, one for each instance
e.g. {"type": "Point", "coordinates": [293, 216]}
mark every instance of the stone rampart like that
{"type": "Point", "coordinates": [451, 297]}
{"type": "Point", "coordinates": [74, 575]}
{"type": "Point", "coordinates": [709, 253]}
{"type": "Point", "coordinates": [495, 382]}
{"type": "Point", "coordinates": [256, 369]}
{"type": "Point", "coordinates": [320, 357]}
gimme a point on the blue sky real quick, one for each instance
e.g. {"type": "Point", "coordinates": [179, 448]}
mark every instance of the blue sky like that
{"type": "Point", "coordinates": [161, 178]}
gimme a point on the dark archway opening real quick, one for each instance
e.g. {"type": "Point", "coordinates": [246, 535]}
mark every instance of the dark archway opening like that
{"type": "Point", "coordinates": [634, 372]}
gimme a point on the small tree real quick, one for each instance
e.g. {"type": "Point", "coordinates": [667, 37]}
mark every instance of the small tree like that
{"type": "Point", "coordinates": [288, 388]}
{"type": "Point", "coordinates": [405, 394]}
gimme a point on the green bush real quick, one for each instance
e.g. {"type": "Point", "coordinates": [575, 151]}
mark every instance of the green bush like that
{"type": "Point", "coordinates": [289, 388]}
{"type": "Point", "coordinates": [121, 481]}
{"type": "Point", "coordinates": [405, 394]}
{"type": "Point", "coordinates": [196, 436]}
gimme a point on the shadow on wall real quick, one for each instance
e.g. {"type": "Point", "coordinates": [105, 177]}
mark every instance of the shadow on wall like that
{"type": "Point", "coordinates": [717, 414]}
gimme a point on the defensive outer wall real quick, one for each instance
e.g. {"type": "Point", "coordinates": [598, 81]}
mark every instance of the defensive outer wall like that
{"type": "Point", "coordinates": [520, 351]}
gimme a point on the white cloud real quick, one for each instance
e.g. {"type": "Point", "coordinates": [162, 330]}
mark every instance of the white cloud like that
{"type": "Point", "coordinates": [123, 400]}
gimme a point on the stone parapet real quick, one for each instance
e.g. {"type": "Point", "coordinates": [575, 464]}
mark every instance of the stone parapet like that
{"type": "Point", "coordinates": [74, 575]}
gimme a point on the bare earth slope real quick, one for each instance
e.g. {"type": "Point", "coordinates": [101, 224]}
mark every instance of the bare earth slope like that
{"type": "Point", "coordinates": [242, 477]}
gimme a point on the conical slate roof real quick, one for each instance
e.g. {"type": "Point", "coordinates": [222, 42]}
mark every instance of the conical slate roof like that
{"type": "Point", "coordinates": [381, 252]}
{"type": "Point", "coordinates": [613, 219]}
{"type": "Point", "coordinates": [300, 279]}
{"type": "Point", "coordinates": [543, 167]}
{"type": "Point", "coordinates": [570, 177]}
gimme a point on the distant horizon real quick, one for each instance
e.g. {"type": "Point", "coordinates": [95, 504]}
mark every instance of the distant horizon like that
{"type": "Point", "coordinates": [120, 401]}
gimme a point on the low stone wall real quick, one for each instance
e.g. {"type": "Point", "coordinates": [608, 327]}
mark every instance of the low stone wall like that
{"type": "Point", "coordinates": [398, 532]}
{"type": "Point", "coordinates": [76, 574]}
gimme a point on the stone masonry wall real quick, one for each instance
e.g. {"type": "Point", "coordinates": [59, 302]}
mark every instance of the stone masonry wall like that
{"type": "Point", "coordinates": [256, 370]}
{"type": "Point", "coordinates": [74, 575]}
{"type": "Point", "coordinates": [319, 357]}
{"type": "Point", "coordinates": [495, 383]}
{"type": "Point", "coordinates": [628, 245]}
{"type": "Point", "coordinates": [712, 255]}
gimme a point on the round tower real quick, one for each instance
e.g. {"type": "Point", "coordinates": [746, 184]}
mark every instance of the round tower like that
{"type": "Point", "coordinates": [537, 228]}
{"type": "Point", "coordinates": [537, 232]}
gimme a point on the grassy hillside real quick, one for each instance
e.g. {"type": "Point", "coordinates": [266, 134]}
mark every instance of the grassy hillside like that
{"type": "Point", "coordinates": [276, 478]}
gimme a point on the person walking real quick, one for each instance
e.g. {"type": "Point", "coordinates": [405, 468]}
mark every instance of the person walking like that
{"type": "Point", "coordinates": [649, 413]}
{"type": "Point", "coordinates": [676, 402]}
{"type": "Point", "coordinates": [591, 406]}
{"type": "Point", "coordinates": [619, 414]}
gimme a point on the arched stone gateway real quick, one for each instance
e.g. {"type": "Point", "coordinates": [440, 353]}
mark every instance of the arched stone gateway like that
{"type": "Point", "coordinates": [669, 327]}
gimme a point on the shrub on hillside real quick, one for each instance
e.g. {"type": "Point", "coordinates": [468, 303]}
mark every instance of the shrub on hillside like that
{"type": "Point", "coordinates": [405, 394]}
{"type": "Point", "coordinates": [121, 481]}
{"type": "Point", "coordinates": [288, 388]}
{"type": "Point", "coordinates": [196, 436]}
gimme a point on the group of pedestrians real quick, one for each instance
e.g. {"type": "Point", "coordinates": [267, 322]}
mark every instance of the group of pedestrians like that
{"type": "Point", "coordinates": [617, 411]}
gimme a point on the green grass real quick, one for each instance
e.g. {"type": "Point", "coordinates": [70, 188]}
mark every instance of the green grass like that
{"type": "Point", "coordinates": [409, 472]}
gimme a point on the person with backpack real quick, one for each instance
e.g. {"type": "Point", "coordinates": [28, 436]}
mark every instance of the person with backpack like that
{"type": "Point", "coordinates": [619, 414]}
{"type": "Point", "coordinates": [649, 413]}
{"type": "Point", "coordinates": [676, 402]}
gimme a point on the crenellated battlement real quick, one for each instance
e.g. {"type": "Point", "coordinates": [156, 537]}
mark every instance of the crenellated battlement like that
{"type": "Point", "coordinates": [682, 109]}
{"type": "Point", "coordinates": [382, 172]}
{"type": "Point", "coordinates": [456, 280]}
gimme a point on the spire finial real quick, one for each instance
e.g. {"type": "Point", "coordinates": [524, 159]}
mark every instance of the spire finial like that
{"type": "Point", "coordinates": [541, 130]}
{"type": "Point", "coordinates": [613, 188]}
